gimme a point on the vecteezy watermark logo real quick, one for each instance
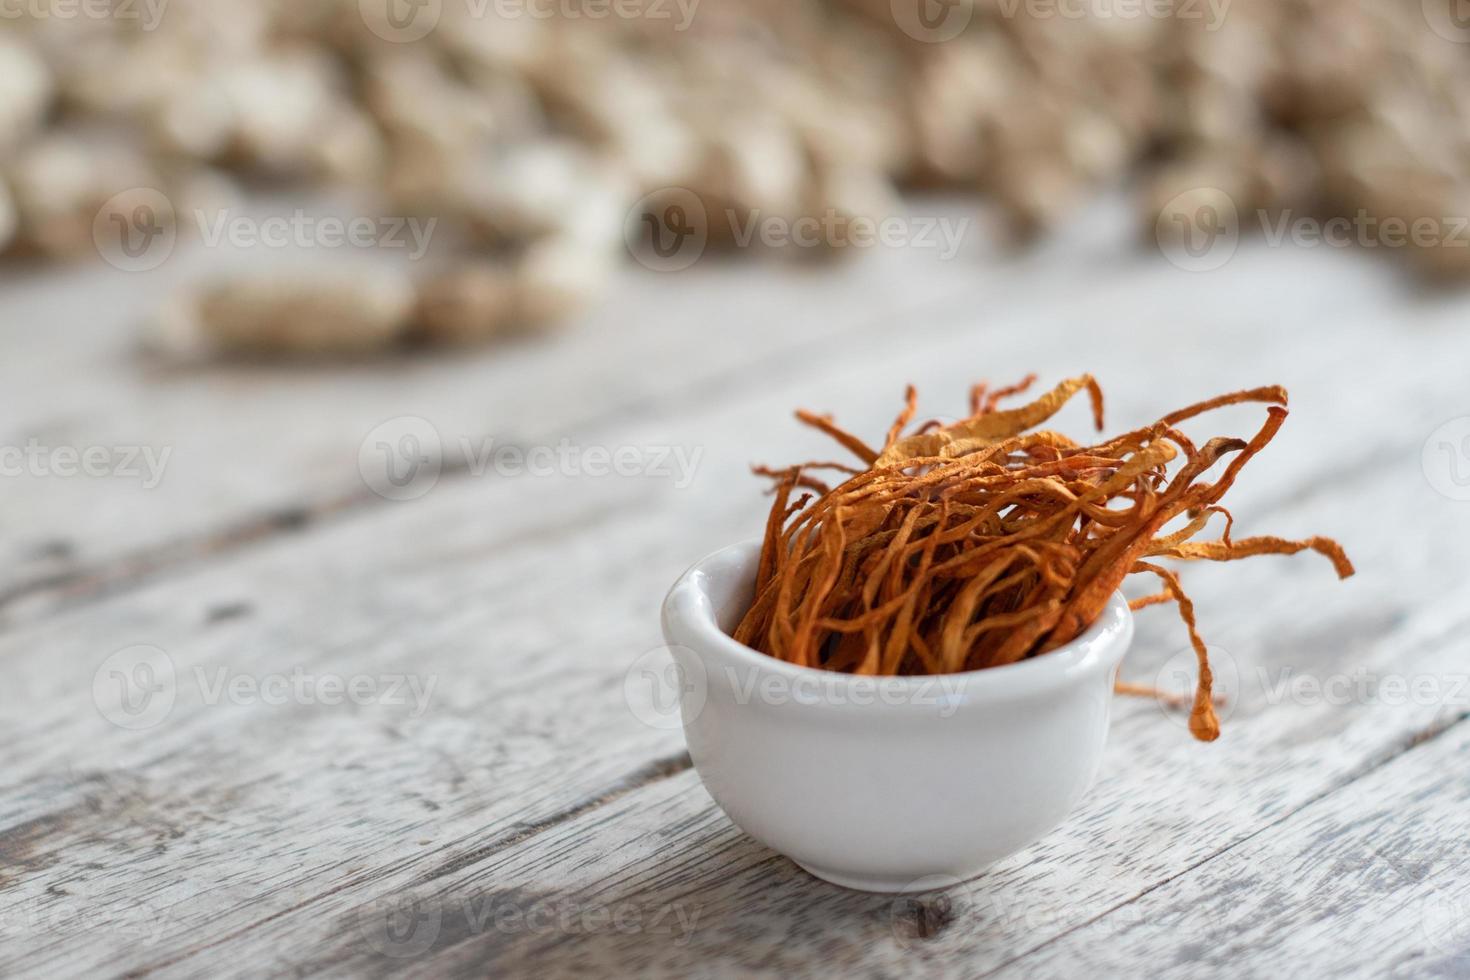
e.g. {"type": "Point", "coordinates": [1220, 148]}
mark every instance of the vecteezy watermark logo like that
{"type": "Point", "coordinates": [84, 911]}
{"type": "Point", "coordinates": [402, 458]}
{"type": "Point", "coordinates": [403, 21]}
{"type": "Point", "coordinates": [401, 926]}
{"type": "Point", "coordinates": [147, 13]}
{"type": "Point", "coordinates": [400, 21]}
{"type": "Point", "coordinates": [832, 229]}
{"type": "Point", "coordinates": [666, 685]}
{"type": "Point", "coordinates": [1446, 922]}
{"type": "Point", "coordinates": [300, 686]}
{"type": "Point", "coordinates": [551, 915]}
{"type": "Point", "coordinates": [667, 230]}
{"type": "Point", "coordinates": [407, 926]}
{"type": "Point", "coordinates": [1446, 459]}
{"type": "Point", "coordinates": [1179, 675]}
{"type": "Point", "coordinates": [677, 464]}
{"type": "Point", "coordinates": [932, 21]}
{"type": "Point", "coordinates": [679, 11]}
{"type": "Point", "coordinates": [1362, 686]}
{"type": "Point", "coordinates": [135, 687]}
{"type": "Point", "coordinates": [302, 230]}
{"type": "Point", "coordinates": [135, 230]}
{"type": "Point", "coordinates": [1212, 12]}
{"type": "Point", "coordinates": [1450, 19]}
{"type": "Point", "coordinates": [1198, 230]}
{"type": "Point", "coordinates": [1364, 230]}
{"type": "Point", "coordinates": [145, 464]}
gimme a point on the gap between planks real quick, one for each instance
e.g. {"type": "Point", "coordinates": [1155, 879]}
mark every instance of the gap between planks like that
{"type": "Point", "coordinates": [35, 598]}
{"type": "Point", "coordinates": [75, 587]}
{"type": "Point", "coordinates": [653, 780]}
{"type": "Point", "coordinates": [1413, 741]}
{"type": "Point", "coordinates": [646, 775]}
{"type": "Point", "coordinates": [663, 768]}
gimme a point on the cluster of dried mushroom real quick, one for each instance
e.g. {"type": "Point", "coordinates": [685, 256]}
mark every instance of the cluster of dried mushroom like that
{"type": "Point", "coordinates": [532, 136]}
{"type": "Point", "coordinates": [977, 544]}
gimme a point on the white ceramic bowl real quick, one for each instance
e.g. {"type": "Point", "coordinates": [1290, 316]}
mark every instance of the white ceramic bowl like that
{"type": "Point", "coordinates": [875, 783]}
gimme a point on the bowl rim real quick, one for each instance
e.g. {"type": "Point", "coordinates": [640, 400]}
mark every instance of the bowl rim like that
{"type": "Point", "coordinates": [689, 621]}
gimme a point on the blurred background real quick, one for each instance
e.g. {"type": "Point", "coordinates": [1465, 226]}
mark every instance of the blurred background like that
{"type": "Point", "coordinates": [268, 262]}
{"type": "Point", "coordinates": [264, 262]}
{"type": "Point", "coordinates": [432, 339]}
{"type": "Point", "coordinates": [511, 154]}
{"type": "Point", "coordinates": [250, 233]}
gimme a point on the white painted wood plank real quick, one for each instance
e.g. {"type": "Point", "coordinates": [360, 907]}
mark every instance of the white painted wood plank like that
{"type": "Point", "coordinates": [1372, 880]}
{"type": "Point", "coordinates": [698, 894]}
{"type": "Point", "coordinates": [255, 450]}
{"type": "Point", "coordinates": [330, 806]}
{"type": "Point", "coordinates": [254, 446]}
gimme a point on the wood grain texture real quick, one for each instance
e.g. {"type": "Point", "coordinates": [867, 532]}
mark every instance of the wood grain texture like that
{"type": "Point", "coordinates": [1165, 807]}
{"type": "Point", "coordinates": [540, 827]}
{"type": "Point", "coordinates": [1370, 880]}
{"type": "Point", "coordinates": [255, 451]}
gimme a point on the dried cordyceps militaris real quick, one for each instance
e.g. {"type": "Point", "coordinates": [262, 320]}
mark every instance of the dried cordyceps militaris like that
{"type": "Point", "coordinates": [977, 544]}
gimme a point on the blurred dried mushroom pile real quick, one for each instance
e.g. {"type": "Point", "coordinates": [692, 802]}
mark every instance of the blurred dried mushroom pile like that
{"type": "Point", "coordinates": [530, 138]}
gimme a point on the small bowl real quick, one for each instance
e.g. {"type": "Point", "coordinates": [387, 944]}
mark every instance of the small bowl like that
{"type": "Point", "coordinates": [874, 783]}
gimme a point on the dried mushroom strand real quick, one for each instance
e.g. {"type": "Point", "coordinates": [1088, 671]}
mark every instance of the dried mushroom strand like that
{"type": "Point", "coordinates": [984, 542]}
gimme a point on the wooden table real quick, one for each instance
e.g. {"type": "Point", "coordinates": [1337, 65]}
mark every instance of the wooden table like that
{"type": "Point", "coordinates": [366, 736]}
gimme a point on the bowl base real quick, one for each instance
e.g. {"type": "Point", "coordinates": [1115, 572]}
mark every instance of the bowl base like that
{"type": "Point", "coordinates": [886, 884]}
